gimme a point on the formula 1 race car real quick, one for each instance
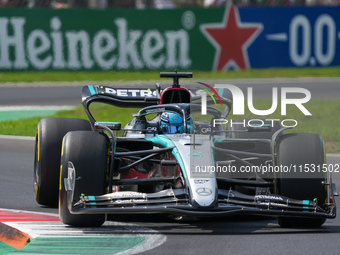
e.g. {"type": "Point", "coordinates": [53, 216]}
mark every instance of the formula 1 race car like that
{"type": "Point", "coordinates": [179, 156]}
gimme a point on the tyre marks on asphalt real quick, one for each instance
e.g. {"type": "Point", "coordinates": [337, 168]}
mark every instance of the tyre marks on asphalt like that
{"type": "Point", "coordinates": [50, 236]}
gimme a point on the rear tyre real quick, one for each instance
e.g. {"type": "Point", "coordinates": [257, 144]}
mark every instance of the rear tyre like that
{"type": "Point", "coordinates": [88, 151]}
{"type": "Point", "coordinates": [298, 150]}
{"type": "Point", "coordinates": [49, 136]}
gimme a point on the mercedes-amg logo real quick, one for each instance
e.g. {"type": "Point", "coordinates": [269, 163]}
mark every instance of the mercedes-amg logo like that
{"type": "Point", "coordinates": [174, 118]}
{"type": "Point", "coordinates": [204, 191]}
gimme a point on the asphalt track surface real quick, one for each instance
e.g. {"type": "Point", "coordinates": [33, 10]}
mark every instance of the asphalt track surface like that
{"type": "Point", "coordinates": [230, 235]}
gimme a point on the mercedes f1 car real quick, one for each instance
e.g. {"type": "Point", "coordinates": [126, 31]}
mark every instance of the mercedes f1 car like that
{"type": "Point", "coordinates": [177, 156]}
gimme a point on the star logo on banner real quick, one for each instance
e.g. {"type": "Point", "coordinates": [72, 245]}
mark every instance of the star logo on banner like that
{"type": "Point", "coordinates": [231, 38]}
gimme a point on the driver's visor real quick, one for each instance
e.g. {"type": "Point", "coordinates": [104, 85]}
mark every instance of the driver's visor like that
{"type": "Point", "coordinates": [173, 129]}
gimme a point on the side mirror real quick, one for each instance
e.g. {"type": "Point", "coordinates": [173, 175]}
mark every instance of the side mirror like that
{"type": "Point", "coordinates": [116, 126]}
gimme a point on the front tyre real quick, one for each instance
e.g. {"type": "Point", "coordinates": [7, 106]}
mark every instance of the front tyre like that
{"type": "Point", "coordinates": [88, 151]}
{"type": "Point", "coordinates": [49, 136]}
{"type": "Point", "coordinates": [297, 150]}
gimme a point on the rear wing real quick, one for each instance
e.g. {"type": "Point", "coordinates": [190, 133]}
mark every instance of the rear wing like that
{"type": "Point", "coordinates": [136, 97]}
{"type": "Point", "coordinates": [145, 97]}
{"type": "Point", "coordinates": [122, 97]}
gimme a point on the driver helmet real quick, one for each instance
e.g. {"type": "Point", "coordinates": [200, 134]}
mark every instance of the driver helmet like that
{"type": "Point", "coordinates": [172, 123]}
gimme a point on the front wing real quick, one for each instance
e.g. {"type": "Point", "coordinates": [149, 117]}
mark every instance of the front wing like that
{"type": "Point", "coordinates": [176, 201]}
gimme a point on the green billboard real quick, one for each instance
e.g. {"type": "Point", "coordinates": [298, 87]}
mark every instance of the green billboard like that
{"type": "Point", "coordinates": [40, 39]}
{"type": "Point", "coordinates": [195, 39]}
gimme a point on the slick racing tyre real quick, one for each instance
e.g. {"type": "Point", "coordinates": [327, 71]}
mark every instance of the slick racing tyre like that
{"type": "Point", "coordinates": [49, 136]}
{"type": "Point", "coordinates": [300, 150]}
{"type": "Point", "coordinates": [88, 151]}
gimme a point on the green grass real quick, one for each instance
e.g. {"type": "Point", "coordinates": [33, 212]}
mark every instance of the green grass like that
{"type": "Point", "coordinates": [321, 122]}
{"type": "Point", "coordinates": [40, 76]}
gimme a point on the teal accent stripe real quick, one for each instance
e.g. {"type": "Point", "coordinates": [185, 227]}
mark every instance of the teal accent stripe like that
{"type": "Point", "coordinates": [305, 202]}
{"type": "Point", "coordinates": [220, 92]}
{"type": "Point", "coordinates": [162, 140]}
{"type": "Point", "coordinates": [108, 122]}
{"type": "Point", "coordinates": [92, 90]}
{"type": "Point", "coordinates": [166, 142]}
{"type": "Point", "coordinates": [175, 152]}
{"type": "Point", "coordinates": [92, 203]}
{"type": "Point", "coordinates": [218, 140]}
